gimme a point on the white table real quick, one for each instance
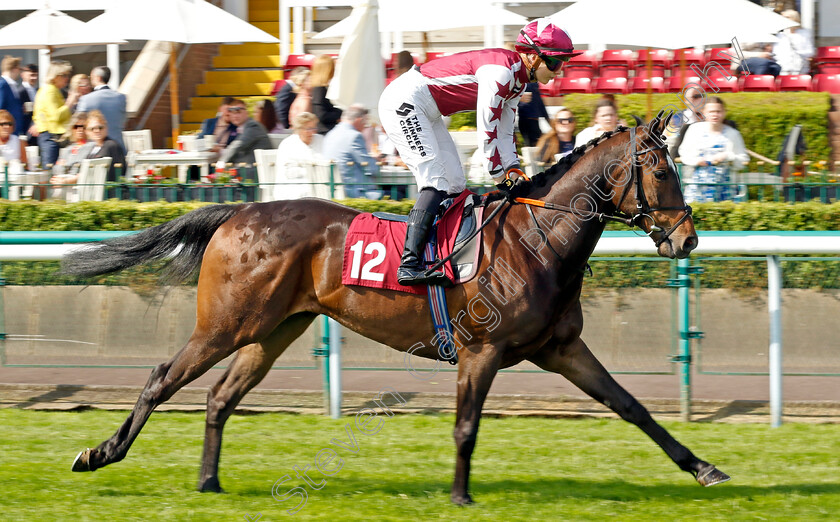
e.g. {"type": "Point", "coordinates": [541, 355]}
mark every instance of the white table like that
{"type": "Point", "coordinates": [183, 160]}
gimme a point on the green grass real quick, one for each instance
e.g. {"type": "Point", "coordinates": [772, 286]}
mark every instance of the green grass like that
{"type": "Point", "coordinates": [523, 469]}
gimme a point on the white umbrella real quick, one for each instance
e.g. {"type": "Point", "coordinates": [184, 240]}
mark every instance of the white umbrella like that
{"type": "Point", "coordinates": [359, 75]}
{"type": "Point", "coordinates": [432, 16]}
{"type": "Point", "coordinates": [668, 24]}
{"type": "Point", "coordinates": [181, 21]}
{"type": "Point", "coordinates": [48, 28]}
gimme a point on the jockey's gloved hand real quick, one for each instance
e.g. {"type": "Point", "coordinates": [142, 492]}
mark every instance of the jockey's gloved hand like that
{"type": "Point", "coordinates": [514, 188]}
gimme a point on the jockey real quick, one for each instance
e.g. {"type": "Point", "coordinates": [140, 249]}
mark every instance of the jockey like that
{"type": "Point", "coordinates": [489, 81]}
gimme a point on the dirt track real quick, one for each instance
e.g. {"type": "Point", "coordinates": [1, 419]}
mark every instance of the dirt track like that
{"type": "Point", "coordinates": [716, 398]}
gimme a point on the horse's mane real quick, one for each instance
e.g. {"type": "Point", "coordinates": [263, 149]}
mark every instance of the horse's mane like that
{"type": "Point", "coordinates": [565, 163]}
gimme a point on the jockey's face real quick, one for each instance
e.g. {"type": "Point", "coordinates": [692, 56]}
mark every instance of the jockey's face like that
{"type": "Point", "coordinates": [543, 74]}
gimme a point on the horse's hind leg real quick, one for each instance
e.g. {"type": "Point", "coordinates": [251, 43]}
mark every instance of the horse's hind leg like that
{"type": "Point", "coordinates": [202, 351]}
{"type": "Point", "coordinates": [575, 362]}
{"type": "Point", "coordinates": [249, 367]}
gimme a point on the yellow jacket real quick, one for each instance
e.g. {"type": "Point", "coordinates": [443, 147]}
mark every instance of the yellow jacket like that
{"type": "Point", "coordinates": [50, 113]}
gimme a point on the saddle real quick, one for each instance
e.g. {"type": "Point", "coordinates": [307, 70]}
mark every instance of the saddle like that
{"type": "Point", "coordinates": [375, 241]}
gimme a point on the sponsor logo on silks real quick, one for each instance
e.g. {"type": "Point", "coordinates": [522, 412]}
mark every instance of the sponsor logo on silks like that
{"type": "Point", "coordinates": [404, 109]}
{"type": "Point", "coordinates": [412, 132]}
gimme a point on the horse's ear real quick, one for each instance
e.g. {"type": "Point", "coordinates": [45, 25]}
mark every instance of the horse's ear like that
{"type": "Point", "coordinates": [639, 122]}
{"type": "Point", "coordinates": [661, 121]}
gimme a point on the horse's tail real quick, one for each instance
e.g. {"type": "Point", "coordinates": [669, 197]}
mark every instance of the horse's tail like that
{"type": "Point", "coordinates": [182, 241]}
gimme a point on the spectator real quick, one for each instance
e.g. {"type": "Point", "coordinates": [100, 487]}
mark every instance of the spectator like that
{"type": "Point", "coordinates": [560, 139]}
{"type": "Point", "coordinates": [795, 47]}
{"type": "Point", "coordinates": [250, 135]}
{"type": "Point", "coordinates": [715, 151]}
{"type": "Point", "coordinates": [210, 125]}
{"type": "Point", "coordinates": [605, 119]}
{"type": "Point", "coordinates": [531, 109]}
{"type": "Point", "coordinates": [303, 100]}
{"type": "Point", "coordinates": [11, 95]}
{"type": "Point", "coordinates": [80, 84]}
{"type": "Point", "coordinates": [106, 100]}
{"type": "Point", "coordinates": [675, 131]}
{"type": "Point", "coordinates": [74, 138]}
{"type": "Point", "coordinates": [404, 62]}
{"type": "Point", "coordinates": [758, 58]}
{"type": "Point", "coordinates": [29, 80]}
{"type": "Point", "coordinates": [97, 145]}
{"type": "Point", "coordinates": [323, 69]}
{"type": "Point", "coordinates": [295, 156]}
{"type": "Point", "coordinates": [287, 95]}
{"type": "Point", "coordinates": [264, 113]}
{"type": "Point", "coordinates": [52, 111]}
{"type": "Point", "coordinates": [346, 146]}
{"type": "Point", "coordinates": [11, 146]}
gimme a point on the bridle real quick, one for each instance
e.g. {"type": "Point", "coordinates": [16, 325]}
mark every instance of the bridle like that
{"type": "Point", "coordinates": [643, 208]}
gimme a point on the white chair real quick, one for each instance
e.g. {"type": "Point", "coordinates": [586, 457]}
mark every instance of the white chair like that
{"type": "Point", "coordinates": [530, 160]}
{"type": "Point", "coordinates": [266, 162]}
{"type": "Point", "coordinates": [277, 139]}
{"type": "Point", "coordinates": [136, 141]}
{"type": "Point", "coordinates": [319, 174]}
{"type": "Point", "coordinates": [90, 185]}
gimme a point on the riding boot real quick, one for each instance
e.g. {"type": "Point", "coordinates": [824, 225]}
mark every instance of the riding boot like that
{"type": "Point", "coordinates": [412, 270]}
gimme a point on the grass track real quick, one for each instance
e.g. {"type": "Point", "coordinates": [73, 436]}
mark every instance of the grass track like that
{"type": "Point", "coordinates": [523, 469]}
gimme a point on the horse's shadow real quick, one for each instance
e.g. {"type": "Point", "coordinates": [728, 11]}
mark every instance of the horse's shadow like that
{"type": "Point", "coordinates": [550, 490]}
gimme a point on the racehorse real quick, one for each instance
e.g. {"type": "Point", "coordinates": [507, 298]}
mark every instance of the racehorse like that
{"type": "Point", "coordinates": [268, 269]}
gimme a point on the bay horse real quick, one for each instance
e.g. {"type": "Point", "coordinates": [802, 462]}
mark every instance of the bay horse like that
{"type": "Point", "coordinates": [267, 270]}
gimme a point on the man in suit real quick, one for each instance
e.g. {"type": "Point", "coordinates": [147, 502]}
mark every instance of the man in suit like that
{"type": "Point", "coordinates": [11, 98]}
{"type": "Point", "coordinates": [106, 100]}
{"type": "Point", "coordinates": [345, 144]}
{"type": "Point", "coordinates": [208, 126]}
{"type": "Point", "coordinates": [287, 94]}
{"type": "Point", "coordinates": [250, 136]}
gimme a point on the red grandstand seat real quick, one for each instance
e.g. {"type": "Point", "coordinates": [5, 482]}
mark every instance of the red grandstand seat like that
{"type": "Point", "coordinates": [758, 82]}
{"type": "Point", "coordinates": [828, 68]}
{"type": "Point", "coordinates": [432, 56]}
{"type": "Point", "coordinates": [676, 83]}
{"type": "Point", "coordinates": [297, 60]}
{"type": "Point", "coordinates": [613, 71]}
{"type": "Point", "coordinates": [578, 72]}
{"type": "Point", "coordinates": [683, 58]}
{"type": "Point", "coordinates": [795, 82]}
{"type": "Point", "coordinates": [615, 63]}
{"type": "Point", "coordinates": [570, 85]}
{"type": "Point", "coordinates": [660, 59]}
{"type": "Point", "coordinates": [610, 86]}
{"type": "Point", "coordinates": [827, 83]}
{"type": "Point", "coordinates": [719, 82]}
{"type": "Point", "coordinates": [640, 84]}
{"type": "Point", "coordinates": [721, 55]}
{"type": "Point", "coordinates": [828, 54]}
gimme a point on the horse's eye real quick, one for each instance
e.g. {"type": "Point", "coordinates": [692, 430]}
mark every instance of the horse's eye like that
{"type": "Point", "coordinates": [661, 175]}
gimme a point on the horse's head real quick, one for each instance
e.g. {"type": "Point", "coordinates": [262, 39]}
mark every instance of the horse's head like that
{"type": "Point", "coordinates": [647, 190]}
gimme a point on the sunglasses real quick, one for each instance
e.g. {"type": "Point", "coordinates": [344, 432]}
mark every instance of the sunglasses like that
{"type": "Point", "coordinates": [7, 124]}
{"type": "Point", "coordinates": [554, 62]}
{"type": "Point", "coordinates": [78, 126]}
{"type": "Point", "coordinates": [566, 120]}
{"type": "Point", "coordinates": [696, 96]}
{"type": "Point", "coordinates": [96, 128]}
{"type": "Point", "coordinates": [236, 109]}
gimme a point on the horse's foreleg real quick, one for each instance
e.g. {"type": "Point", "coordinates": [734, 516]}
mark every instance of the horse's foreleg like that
{"type": "Point", "coordinates": [575, 362]}
{"type": "Point", "coordinates": [249, 367]}
{"type": "Point", "coordinates": [475, 375]}
{"type": "Point", "coordinates": [195, 358]}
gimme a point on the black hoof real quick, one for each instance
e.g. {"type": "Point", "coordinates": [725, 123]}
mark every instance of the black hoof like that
{"type": "Point", "coordinates": [711, 476]}
{"type": "Point", "coordinates": [462, 500]}
{"type": "Point", "coordinates": [82, 461]}
{"type": "Point", "coordinates": [210, 485]}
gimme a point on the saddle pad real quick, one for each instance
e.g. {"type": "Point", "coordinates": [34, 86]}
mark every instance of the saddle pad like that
{"type": "Point", "coordinates": [374, 247]}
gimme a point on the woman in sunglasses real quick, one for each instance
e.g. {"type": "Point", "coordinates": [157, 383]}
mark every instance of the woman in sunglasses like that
{"type": "Point", "coordinates": [11, 147]}
{"type": "Point", "coordinates": [97, 145]}
{"type": "Point", "coordinates": [489, 81]}
{"type": "Point", "coordinates": [560, 139]}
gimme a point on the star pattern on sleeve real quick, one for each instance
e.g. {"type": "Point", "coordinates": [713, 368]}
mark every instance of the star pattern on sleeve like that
{"type": "Point", "coordinates": [497, 112]}
{"type": "Point", "coordinates": [503, 90]}
{"type": "Point", "coordinates": [495, 159]}
{"type": "Point", "coordinates": [492, 135]}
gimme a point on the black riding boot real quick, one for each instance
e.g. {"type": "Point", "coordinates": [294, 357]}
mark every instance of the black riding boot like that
{"type": "Point", "coordinates": [420, 220]}
{"type": "Point", "coordinates": [411, 270]}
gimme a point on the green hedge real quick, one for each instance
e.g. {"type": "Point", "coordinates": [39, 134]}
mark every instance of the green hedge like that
{"type": "Point", "coordinates": [127, 215]}
{"type": "Point", "coordinates": [764, 118]}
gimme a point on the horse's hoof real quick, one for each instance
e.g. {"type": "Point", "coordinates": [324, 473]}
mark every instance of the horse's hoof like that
{"type": "Point", "coordinates": [462, 500]}
{"type": "Point", "coordinates": [210, 485]}
{"type": "Point", "coordinates": [82, 461]}
{"type": "Point", "coordinates": [712, 476]}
